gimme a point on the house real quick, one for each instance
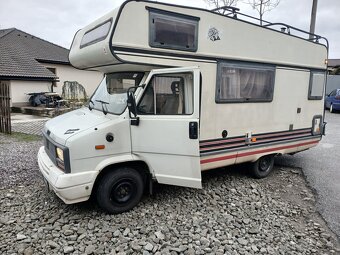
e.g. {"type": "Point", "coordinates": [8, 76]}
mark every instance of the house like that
{"type": "Point", "coordinates": [30, 64]}
{"type": "Point", "coordinates": [333, 62]}
{"type": "Point", "coordinates": [333, 77]}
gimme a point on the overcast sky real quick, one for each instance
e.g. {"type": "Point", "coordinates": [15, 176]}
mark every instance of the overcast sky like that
{"type": "Point", "coordinates": [57, 21]}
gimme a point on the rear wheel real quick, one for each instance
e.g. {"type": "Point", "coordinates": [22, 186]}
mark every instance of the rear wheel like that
{"type": "Point", "coordinates": [263, 166]}
{"type": "Point", "coordinates": [121, 190]}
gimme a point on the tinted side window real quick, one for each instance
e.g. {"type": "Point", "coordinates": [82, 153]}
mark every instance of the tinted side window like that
{"type": "Point", "coordinates": [173, 31]}
{"type": "Point", "coordinates": [97, 34]}
{"type": "Point", "coordinates": [244, 83]}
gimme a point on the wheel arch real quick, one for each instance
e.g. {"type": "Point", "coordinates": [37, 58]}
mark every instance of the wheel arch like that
{"type": "Point", "coordinates": [139, 165]}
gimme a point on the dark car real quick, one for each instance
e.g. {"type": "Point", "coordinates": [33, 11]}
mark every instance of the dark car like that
{"type": "Point", "coordinates": [332, 101]}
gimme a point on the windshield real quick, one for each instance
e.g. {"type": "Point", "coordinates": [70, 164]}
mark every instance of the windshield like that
{"type": "Point", "coordinates": [110, 95]}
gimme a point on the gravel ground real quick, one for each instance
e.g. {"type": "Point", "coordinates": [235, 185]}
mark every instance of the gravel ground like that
{"type": "Point", "coordinates": [232, 214]}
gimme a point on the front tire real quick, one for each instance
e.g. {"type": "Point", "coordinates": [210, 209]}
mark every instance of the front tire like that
{"type": "Point", "coordinates": [331, 110]}
{"type": "Point", "coordinates": [262, 167]}
{"type": "Point", "coordinates": [121, 190]}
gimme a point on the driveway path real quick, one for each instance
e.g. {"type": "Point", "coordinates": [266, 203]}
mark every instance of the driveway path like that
{"type": "Point", "coordinates": [27, 124]}
{"type": "Point", "coordinates": [321, 166]}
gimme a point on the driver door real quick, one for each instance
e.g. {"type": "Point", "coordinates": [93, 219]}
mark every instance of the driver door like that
{"type": "Point", "coordinates": [167, 137]}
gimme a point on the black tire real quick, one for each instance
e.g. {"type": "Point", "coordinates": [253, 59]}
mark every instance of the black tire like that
{"type": "Point", "coordinates": [121, 190]}
{"type": "Point", "coordinates": [262, 167]}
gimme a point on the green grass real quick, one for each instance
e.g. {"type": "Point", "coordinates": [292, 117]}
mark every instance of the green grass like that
{"type": "Point", "coordinates": [21, 137]}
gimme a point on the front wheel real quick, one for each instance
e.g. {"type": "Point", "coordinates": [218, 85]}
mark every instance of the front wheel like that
{"type": "Point", "coordinates": [121, 190]}
{"type": "Point", "coordinates": [263, 166]}
{"type": "Point", "coordinates": [331, 110]}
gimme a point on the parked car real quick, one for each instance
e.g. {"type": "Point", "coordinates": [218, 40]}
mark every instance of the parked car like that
{"type": "Point", "coordinates": [332, 101]}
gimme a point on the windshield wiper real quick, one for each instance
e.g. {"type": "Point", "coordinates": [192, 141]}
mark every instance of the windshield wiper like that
{"type": "Point", "coordinates": [90, 108]}
{"type": "Point", "coordinates": [103, 103]}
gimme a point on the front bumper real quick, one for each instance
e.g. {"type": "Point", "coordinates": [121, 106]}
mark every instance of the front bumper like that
{"type": "Point", "coordinates": [71, 188]}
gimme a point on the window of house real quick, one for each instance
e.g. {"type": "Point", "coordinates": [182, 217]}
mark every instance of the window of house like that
{"type": "Point", "coordinates": [96, 34]}
{"type": "Point", "coordinates": [316, 85]}
{"type": "Point", "coordinates": [173, 31]}
{"type": "Point", "coordinates": [168, 95]}
{"type": "Point", "coordinates": [238, 82]}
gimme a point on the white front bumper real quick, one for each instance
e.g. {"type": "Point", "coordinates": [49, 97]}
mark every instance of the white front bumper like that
{"type": "Point", "coordinates": [71, 188]}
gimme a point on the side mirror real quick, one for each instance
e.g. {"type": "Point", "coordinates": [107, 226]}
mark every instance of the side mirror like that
{"type": "Point", "coordinates": [131, 103]}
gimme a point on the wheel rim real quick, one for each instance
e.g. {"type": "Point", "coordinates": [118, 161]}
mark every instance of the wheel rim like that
{"type": "Point", "coordinates": [123, 191]}
{"type": "Point", "coordinates": [264, 164]}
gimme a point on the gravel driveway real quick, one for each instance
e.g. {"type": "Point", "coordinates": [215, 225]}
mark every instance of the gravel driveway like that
{"type": "Point", "coordinates": [232, 214]}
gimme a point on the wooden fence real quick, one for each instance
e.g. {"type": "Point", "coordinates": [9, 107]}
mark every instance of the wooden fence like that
{"type": "Point", "coordinates": [5, 108]}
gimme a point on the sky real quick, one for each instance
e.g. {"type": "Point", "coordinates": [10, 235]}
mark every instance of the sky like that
{"type": "Point", "coordinates": [57, 21]}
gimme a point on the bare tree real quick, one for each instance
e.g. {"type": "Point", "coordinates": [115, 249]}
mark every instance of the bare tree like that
{"type": "Point", "coordinates": [221, 3]}
{"type": "Point", "coordinates": [262, 6]}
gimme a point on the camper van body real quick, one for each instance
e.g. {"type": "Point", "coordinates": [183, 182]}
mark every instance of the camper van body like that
{"type": "Point", "coordinates": [243, 93]}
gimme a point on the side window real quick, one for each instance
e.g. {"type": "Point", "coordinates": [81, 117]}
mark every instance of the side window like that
{"type": "Point", "coordinates": [316, 85]}
{"type": "Point", "coordinates": [244, 82]}
{"type": "Point", "coordinates": [173, 31]}
{"type": "Point", "coordinates": [333, 93]}
{"type": "Point", "coordinates": [96, 34]}
{"type": "Point", "coordinates": [168, 95]}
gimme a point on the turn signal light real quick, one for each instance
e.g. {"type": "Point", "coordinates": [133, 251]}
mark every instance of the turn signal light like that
{"type": "Point", "coordinates": [100, 147]}
{"type": "Point", "coordinates": [253, 139]}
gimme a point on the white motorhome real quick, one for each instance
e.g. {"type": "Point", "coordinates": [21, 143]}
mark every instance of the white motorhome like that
{"type": "Point", "coordinates": [186, 90]}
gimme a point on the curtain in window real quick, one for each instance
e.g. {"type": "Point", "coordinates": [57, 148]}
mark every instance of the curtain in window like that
{"type": "Point", "coordinates": [239, 83]}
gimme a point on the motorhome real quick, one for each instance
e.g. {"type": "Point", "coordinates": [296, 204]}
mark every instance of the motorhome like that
{"type": "Point", "coordinates": [186, 90]}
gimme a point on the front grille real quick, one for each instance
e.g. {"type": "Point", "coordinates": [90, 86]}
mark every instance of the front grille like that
{"type": "Point", "coordinates": [50, 149]}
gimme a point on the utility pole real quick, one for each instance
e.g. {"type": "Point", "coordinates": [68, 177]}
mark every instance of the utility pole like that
{"type": "Point", "coordinates": [313, 18]}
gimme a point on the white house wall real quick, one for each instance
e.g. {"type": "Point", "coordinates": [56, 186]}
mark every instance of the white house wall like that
{"type": "Point", "coordinates": [20, 89]}
{"type": "Point", "coordinates": [89, 79]}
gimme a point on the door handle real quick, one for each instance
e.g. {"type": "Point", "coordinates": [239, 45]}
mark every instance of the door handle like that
{"type": "Point", "coordinates": [193, 130]}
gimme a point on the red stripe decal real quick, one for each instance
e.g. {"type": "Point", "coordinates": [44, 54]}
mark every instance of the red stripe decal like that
{"type": "Point", "coordinates": [210, 160]}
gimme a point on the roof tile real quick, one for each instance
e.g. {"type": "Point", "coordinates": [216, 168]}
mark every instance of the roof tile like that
{"type": "Point", "coordinates": [21, 52]}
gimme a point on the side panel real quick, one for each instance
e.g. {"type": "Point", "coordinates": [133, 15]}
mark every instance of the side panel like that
{"type": "Point", "coordinates": [283, 124]}
{"type": "Point", "coordinates": [238, 119]}
{"type": "Point", "coordinates": [237, 39]}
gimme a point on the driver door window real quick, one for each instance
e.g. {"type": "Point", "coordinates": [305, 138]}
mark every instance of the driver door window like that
{"type": "Point", "coordinates": [168, 95]}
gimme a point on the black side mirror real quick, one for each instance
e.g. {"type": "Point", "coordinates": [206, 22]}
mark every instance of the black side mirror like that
{"type": "Point", "coordinates": [131, 103]}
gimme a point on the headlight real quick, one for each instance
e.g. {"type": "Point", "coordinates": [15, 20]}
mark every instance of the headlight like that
{"type": "Point", "coordinates": [60, 154]}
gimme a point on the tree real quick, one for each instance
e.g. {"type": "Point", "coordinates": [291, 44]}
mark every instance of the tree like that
{"type": "Point", "coordinates": [262, 6]}
{"type": "Point", "coordinates": [221, 3]}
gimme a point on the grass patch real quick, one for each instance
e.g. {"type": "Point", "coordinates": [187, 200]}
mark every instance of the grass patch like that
{"type": "Point", "coordinates": [21, 137]}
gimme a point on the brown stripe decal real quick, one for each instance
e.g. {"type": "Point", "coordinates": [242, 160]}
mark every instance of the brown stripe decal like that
{"type": "Point", "coordinates": [220, 144]}
{"type": "Point", "coordinates": [239, 155]}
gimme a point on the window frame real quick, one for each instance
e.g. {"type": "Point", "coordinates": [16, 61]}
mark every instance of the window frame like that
{"type": "Point", "coordinates": [335, 93]}
{"type": "Point", "coordinates": [99, 38]}
{"type": "Point", "coordinates": [170, 75]}
{"type": "Point", "coordinates": [112, 73]}
{"type": "Point", "coordinates": [177, 17]}
{"type": "Point", "coordinates": [310, 97]}
{"type": "Point", "coordinates": [245, 65]}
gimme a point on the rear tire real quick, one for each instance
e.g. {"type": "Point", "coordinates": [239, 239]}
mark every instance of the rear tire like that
{"type": "Point", "coordinates": [262, 167]}
{"type": "Point", "coordinates": [121, 190]}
